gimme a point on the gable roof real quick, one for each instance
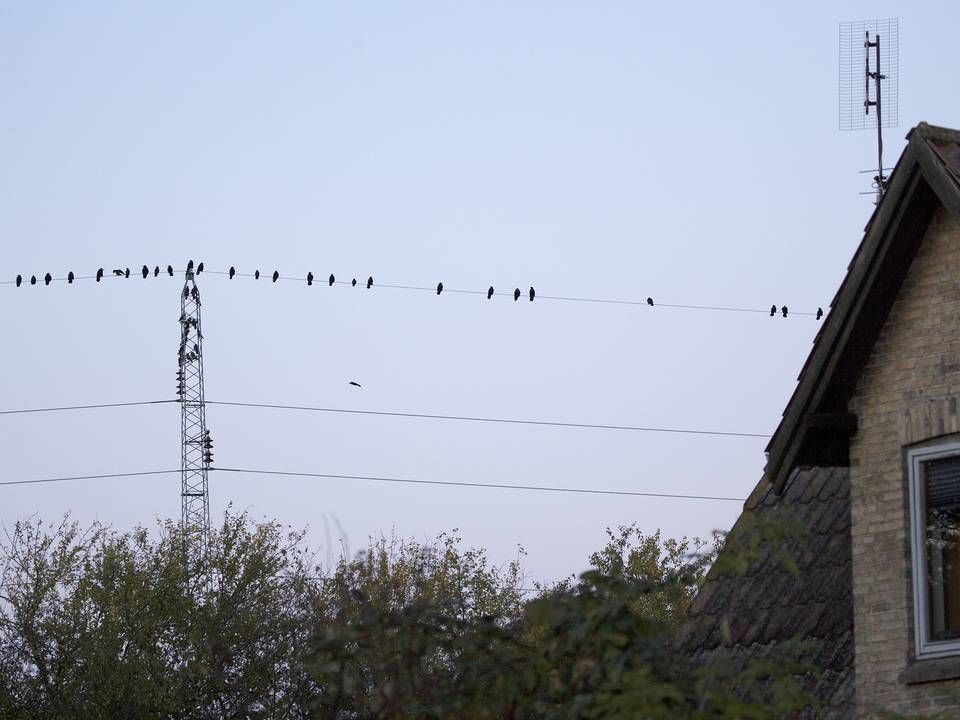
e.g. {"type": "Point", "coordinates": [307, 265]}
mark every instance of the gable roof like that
{"type": "Point", "coordinates": [736, 618]}
{"type": "Point", "coordinates": [816, 425]}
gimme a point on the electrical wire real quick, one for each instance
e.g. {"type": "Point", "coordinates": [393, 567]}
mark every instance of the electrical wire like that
{"type": "Point", "coordinates": [372, 478]}
{"type": "Point", "coordinates": [384, 413]}
{"type": "Point", "coordinates": [497, 486]}
{"type": "Point", "coordinates": [418, 288]}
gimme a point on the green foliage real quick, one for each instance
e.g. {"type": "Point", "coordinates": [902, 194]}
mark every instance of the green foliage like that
{"type": "Point", "coordinates": [100, 624]}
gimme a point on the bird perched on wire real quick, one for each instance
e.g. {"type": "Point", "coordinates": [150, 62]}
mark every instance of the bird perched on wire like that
{"type": "Point", "coordinates": [19, 280]}
{"type": "Point", "coordinates": [47, 278]}
{"type": "Point", "coordinates": [533, 293]}
{"type": "Point", "coordinates": [439, 288]}
{"type": "Point", "coordinates": [309, 278]}
{"type": "Point", "coordinates": [355, 383]}
{"type": "Point", "coordinates": [256, 274]}
{"type": "Point", "coordinates": [233, 271]}
{"type": "Point", "coordinates": [331, 280]}
{"type": "Point", "coordinates": [126, 273]}
{"type": "Point", "coordinates": [70, 277]}
{"type": "Point", "coordinates": [369, 282]}
{"type": "Point", "coordinates": [118, 272]}
{"type": "Point", "coordinates": [489, 292]}
{"type": "Point", "coordinates": [650, 301]}
{"type": "Point", "coordinates": [170, 270]}
{"type": "Point", "coordinates": [156, 271]}
{"type": "Point", "coordinates": [99, 274]}
{"type": "Point", "coordinates": [199, 268]}
{"type": "Point", "coordinates": [516, 294]}
{"type": "Point", "coordinates": [773, 310]}
{"type": "Point", "coordinates": [353, 283]}
{"type": "Point", "coordinates": [190, 266]}
{"type": "Point", "coordinates": [33, 279]}
{"type": "Point", "coordinates": [784, 310]}
{"type": "Point", "coordinates": [276, 275]}
{"type": "Point", "coordinates": [144, 271]}
{"type": "Point", "coordinates": [819, 313]}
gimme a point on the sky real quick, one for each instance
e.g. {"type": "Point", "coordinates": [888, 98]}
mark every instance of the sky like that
{"type": "Point", "coordinates": [688, 152]}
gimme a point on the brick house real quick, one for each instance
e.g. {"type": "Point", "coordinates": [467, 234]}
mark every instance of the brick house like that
{"type": "Point", "coordinates": [866, 460]}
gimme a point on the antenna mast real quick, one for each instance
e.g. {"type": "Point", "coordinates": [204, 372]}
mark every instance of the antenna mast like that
{"type": "Point", "coordinates": [855, 103]}
{"type": "Point", "coordinates": [197, 447]}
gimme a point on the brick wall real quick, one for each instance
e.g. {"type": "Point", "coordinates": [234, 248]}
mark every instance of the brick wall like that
{"type": "Point", "coordinates": [907, 393]}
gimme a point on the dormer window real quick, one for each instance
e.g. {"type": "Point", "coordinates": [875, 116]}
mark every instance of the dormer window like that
{"type": "Point", "coordinates": [934, 483]}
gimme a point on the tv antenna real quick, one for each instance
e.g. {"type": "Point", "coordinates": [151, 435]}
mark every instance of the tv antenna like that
{"type": "Point", "coordinates": [870, 79]}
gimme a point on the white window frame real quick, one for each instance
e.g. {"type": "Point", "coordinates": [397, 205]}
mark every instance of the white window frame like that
{"type": "Point", "coordinates": [916, 457]}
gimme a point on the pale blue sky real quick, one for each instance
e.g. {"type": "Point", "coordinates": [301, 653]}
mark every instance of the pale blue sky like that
{"type": "Point", "coordinates": [684, 151]}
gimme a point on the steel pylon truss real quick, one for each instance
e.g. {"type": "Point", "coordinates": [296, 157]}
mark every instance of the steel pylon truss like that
{"type": "Point", "coordinates": [197, 447]}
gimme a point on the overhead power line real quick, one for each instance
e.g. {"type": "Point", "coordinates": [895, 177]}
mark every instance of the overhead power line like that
{"type": "Point", "coordinates": [385, 413]}
{"type": "Point", "coordinates": [373, 478]}
{"type": "Point", "coordinates": [440, 288]}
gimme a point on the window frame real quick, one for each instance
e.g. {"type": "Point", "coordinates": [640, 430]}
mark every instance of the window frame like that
{"type": "Point", "coordinates": [916, 457]}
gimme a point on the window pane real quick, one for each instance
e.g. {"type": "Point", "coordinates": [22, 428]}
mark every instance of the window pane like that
{"type": "Point", "coordinates": [943, 546]}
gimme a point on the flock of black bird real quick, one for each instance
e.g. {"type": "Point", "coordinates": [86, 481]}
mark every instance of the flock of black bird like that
{"type": "Point", "coordinates": [232, 272]}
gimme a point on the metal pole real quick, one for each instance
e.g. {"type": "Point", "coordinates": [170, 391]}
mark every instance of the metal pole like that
{"type": "Point", "coordinates": [880, 179]}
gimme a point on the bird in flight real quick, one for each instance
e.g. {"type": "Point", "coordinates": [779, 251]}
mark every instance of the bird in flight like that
{"type": "Point", "coordinates": [276, 275]}
{"type": "Point", "coordinates": [819, 313]}
{"type": "Point", "coordinates": [99, 274]}
{"type": "Point", "coordinates": [369, 282]}
{"type": "Point", "coordinates": [331, 280]}
{"type": "Point", "coordinates": [233, 271]}
{"type": "Point", "coordinates": [516, 294]}
{"type": "Point", "coordinates": [118, 272]}
{"type": "Point", "coordinates": [533, 293]}
{"type": "Point", "coordinates": [309, 278]}
{"type": "Point", "coordinates": [489, 292]}
{"type": "Point", "coordinates": [355, 383]}
{"type": "Point", "coordinates": [439, 288]}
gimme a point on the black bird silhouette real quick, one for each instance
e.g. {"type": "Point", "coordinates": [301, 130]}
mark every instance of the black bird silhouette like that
{"type": "Point", "coordinates": [199, 268]}
{"type": "Point", "coordinates": [516, 294]}
{"type": "Point", "coordinates": [190, 266]}
{"type": "Point", "coordinates": [170, 270]}
{"type": "Point", "coordinates": [489, 292]}
{"type": "Point", "coordinates": [19, 280]}
{"type": "Point", "coordinates": [353, 283]}
{"type": "Point", "coordinates": [70, 277]}
{"type": "Point", "coordinates": [533, 293]}
{"type": "Point", "coordinates": [118, 273]}
{"type": "Point", "coordinates": [156, 271]}
{"type": "Point", "coordinates": [819, 313]}
{"type": "Point", "coordinates": [145, 271]}
{"type": "Point", "coordinates": [256, 274]}
{"type": "Point", "coordinates": [355, 383]}
{"type": "Point", "coordinates": [650, 301]}
{"type": "Point", "coordinates": [33, 279]}
{"type": "Point", "coordinates": [46, 279]}
{"type": "Point", "coordinates": [309, 278]}
{"type": "Point", "coordinates": [331, 279]}
{"type": "Point", "coordinates": [196, 349]}
{"type": "Point", "coordinates": [233, 271]}
{"type": "Point", "coordinates": [99, 274]}
{"type": "Point", "coordinates": [276, 275]}
{"type": "Point", "coordinates": [369, 282]}
{"type": "Point", "coordinates": [126, 273]}
{"type": "Point", "coordinates": [773, 310]}
{"type": "Point", "coordinates": [784, 310]}
{"type": "Point", "coordinates": [439, 288]}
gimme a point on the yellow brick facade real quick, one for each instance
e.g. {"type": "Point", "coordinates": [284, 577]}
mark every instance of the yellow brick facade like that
{"type": "Point", "coordinates": [908, 393]}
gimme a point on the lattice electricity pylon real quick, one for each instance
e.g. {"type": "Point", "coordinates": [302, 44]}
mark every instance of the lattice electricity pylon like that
{"type": "Point", "coordinates": [197, 450]}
